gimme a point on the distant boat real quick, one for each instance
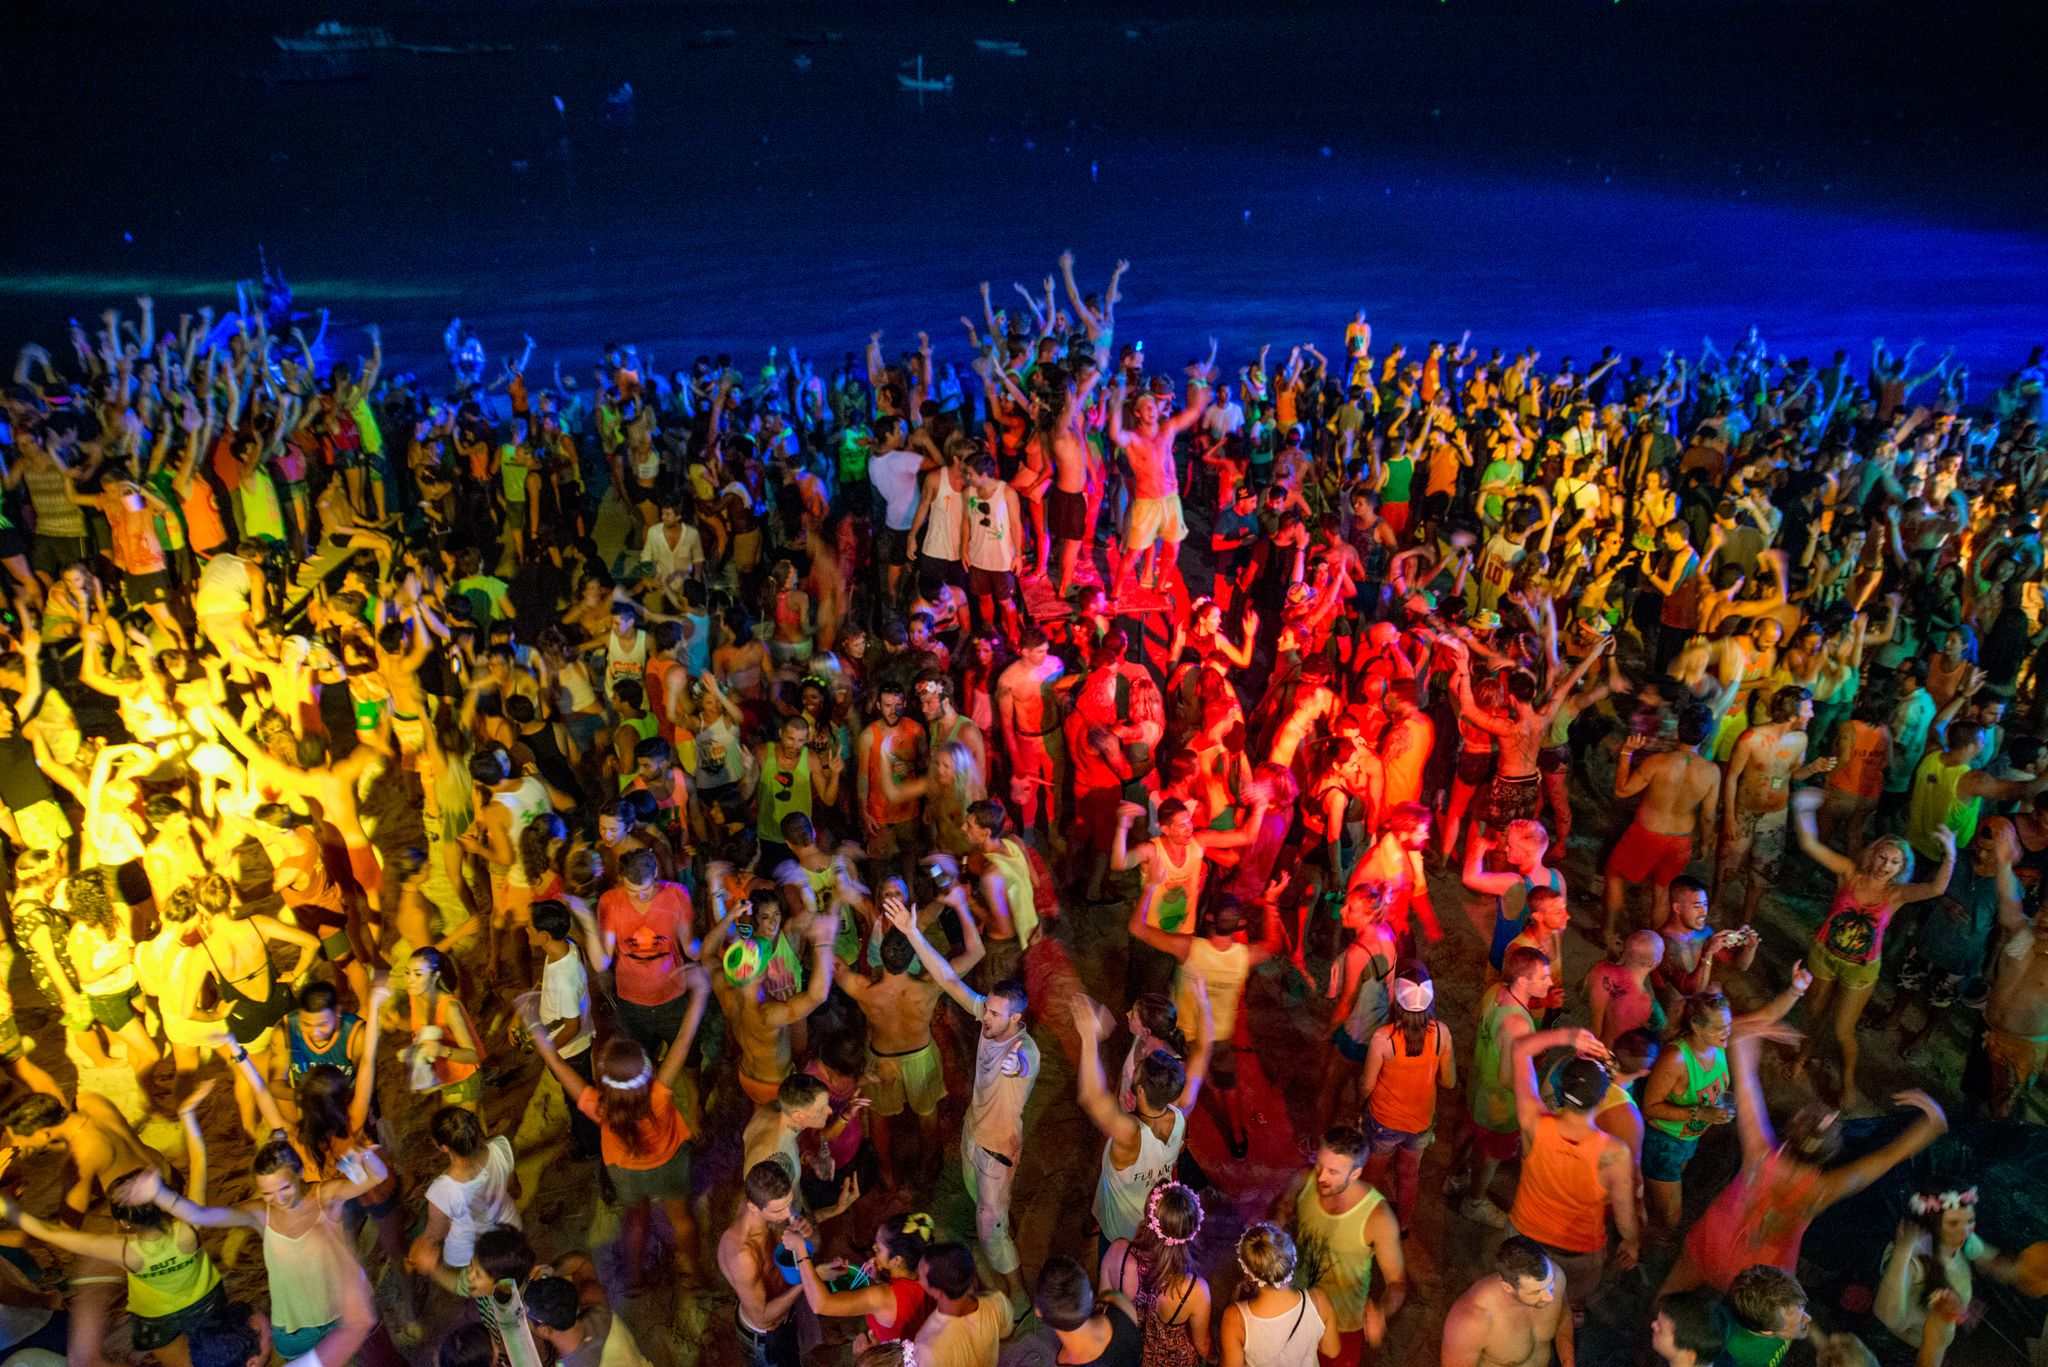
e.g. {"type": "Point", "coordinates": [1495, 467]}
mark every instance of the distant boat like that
{"type": "Point", "coordinates": [621, 97]}
{"type": "Point", "coordinates": [320, 68]}
{"type": "Point", "coordinates": [455, 49]}
{"type": "Point", "coordinates": [712, 37]}
{"type": "Point", "coordinates": [813, 39]}
{"type": "Point", "coordinates": [1004, 45]}
{"type": "Point", "coordinates": [918, 82]}
{"type": "Point", "coordinates": [802, 61]}
{"type": "Point", "coordinates": [336, 37]}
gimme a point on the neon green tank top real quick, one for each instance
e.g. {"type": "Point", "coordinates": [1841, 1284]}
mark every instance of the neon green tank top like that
{"type": "Point", "coordinates": [1706, 1082]}
{"type": "Point", "coordinates": [783, 791]}
{"type": "Point", "coordinates": [169, 1280]}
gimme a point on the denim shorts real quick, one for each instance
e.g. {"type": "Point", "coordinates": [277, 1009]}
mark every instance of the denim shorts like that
{"type": "Point", "coordinates": [1665, 1157]}
{"type": "Point", "coordinates": [1385, 1141]}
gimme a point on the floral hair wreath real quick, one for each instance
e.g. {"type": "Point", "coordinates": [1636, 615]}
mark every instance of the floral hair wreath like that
{"type": "Point", "coordinates": [909, 1353]}
{"type": "Point", "coordinates": [1946, 1201]}
{"type": "Point", "coordinates": [1152, 1213]}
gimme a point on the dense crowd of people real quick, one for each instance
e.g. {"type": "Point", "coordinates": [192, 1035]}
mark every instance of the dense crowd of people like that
{"type": "Point", "coordinates": [678, 746]}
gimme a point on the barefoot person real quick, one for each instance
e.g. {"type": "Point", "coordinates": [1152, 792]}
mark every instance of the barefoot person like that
{"type": "Point", "coordinates": [1028, 724]}
{"type": "Point", "coordinates": [1848, 949]}
{"type": "Point", "coordinates": [1513, 1316]}
{"type": "Point", "coordinates": [902, 1056]}
{"type": "Point", "coordinates": [1155, 513]}
{"type": "Point", "coordinates": [1768, 760]}
{"type": "Point", "coordinates": [1681, 791]}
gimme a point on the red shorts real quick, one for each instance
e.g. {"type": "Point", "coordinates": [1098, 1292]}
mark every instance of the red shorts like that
{"type": "Point", "coordinates": [1643, 856]}
{"type": "Point", "coordinates": [1501, 1148]}
{"type": "Point", "coordinates": [1095, 818]}
{"type": "Point", "coordinates": [1395, 515]}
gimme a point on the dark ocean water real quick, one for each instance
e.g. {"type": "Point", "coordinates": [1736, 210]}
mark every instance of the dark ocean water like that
{"type": "Point", "coordinates": [1562, 175]}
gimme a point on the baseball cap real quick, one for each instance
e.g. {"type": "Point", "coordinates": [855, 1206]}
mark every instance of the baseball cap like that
{"type": "Point", "coordinates": [1581, 1083]}
{"type": "Point", "coordinates": [1413, 996]}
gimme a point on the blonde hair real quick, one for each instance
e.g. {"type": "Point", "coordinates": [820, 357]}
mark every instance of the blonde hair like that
{"type": "Point", "coordinates": [1866, 863]}
{"type": "Point", "coordinates": [1266, 1257]}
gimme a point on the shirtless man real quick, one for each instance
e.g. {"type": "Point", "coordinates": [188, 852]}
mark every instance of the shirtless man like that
{"type": "Point", "coordinates": [1692, 947]}
{"type": "Point", "coordinates": [1066, 502]}
{"type": "Point", "coordinates": [1681, 792]}
{"type": "Point", "coordinates": [1155, 512]}
{"type": "Point", "coordinates": [1028, 723]}
{"type": "Point", "coordinates": [746, 1255]}
{"type": "Point", "coordinates": [402, 647]}
{"type": "Point", "coordinates": [760, 1025]}
{"type": "Point", "coordinates": [332, 787]}
{"type": "Point", "coordinates": [901, 1053]}
{"type": "Point", "coordinates": [98, 1145]}
{"type": "Point", "coordinates": [2016, 1016]}
{"type": "Point", "coordinates": [895, 741]}
{"type": "Point", "coordinates": [1768, 760]}
{"type": "Point", "coordinates": [1516, 791]}
{"type": "Point", "coordinates": [1514, 1316]}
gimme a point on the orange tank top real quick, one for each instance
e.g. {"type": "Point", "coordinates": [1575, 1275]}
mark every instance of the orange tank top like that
{"type": "Point", "coordinates": [906, 736]}
{"type": "Point", "coordinates": [446, 1070]}
{"type": "Point", "coordinates": [1862, 775]}
{"type": "Point", "coordinates": [1404, 1097]}
{"type": "Point", "coordinates": [1560, 1201]}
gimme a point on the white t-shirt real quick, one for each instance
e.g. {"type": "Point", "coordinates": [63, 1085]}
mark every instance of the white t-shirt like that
{"type": "Point", "coordinates": [476, 1205]}
{"type": "Point", "coordinates": [564, 989]}
{"type": "Point", "coordinates": [895, 475]}
{"type": "Point", "coordinates": [685, 555]}
{"type": "Point", "coordinates": [1223, 420]}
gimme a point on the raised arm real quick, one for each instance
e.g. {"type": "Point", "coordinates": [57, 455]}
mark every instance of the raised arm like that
{"type": "Point", "coordinates": [1092, 1085]}
{"type": "Point", "coordinates": [1806, 802]}
{"type": "Point", "coordinates": [698, 985]}
{"type": "Point", "coordinates": [934, 963]}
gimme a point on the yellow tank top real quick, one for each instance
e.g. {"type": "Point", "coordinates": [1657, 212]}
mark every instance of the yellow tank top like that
{"type": "Point", "coordinates": [169, 1279]}
{"type": "Point", "coordinates": [1346, 1252]}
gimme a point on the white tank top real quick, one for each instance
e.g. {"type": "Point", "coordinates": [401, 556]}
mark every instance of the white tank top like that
{"type": "Point", "coordinates": [942, 524]}
{"type": "Point", "coordinates": [526, 803]}
{"type": "Point", "coordinates": [990, 541]}
{"type": "Point", "coordinates": [1288, 1339]}
{"type": "Point", "coordinates": [1120, 1194]}
{"type": "Point", "coordinates": [622, 662]}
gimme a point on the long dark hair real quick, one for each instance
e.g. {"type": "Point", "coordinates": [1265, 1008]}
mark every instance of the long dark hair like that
{"type": "Point", "coordinates": [1161, 1020]}
{"type": "Point", "coordinates": [325, 1093]}
{"type": "Point", "coordinates": [1415, 1025]}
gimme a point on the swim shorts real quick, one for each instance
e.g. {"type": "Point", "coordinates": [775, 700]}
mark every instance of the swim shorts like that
{"type": "Point", "coordinates": [1154, 519]}
{"type": "Point", "coordinates": [915, 1079]}
{"type": "Point", "coordinates": [1511, 799]}
{"type": "Point", "coordinates": [1644, 856]}
{"type": "Point", "coordinates": [1759, 835]}
{"type": "Point", "coordinates": [1474, 767]}
{"type": "Point", "coordinates": [1066, 514]}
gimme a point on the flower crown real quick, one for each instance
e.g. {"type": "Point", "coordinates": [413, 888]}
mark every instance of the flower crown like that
{"type": "Point", "coordinates": [919, 1224]}
{"type": "Point", "coordinates": [1948, 1200]}
{"type": "Point", "coordinates": [1152, 1214]}
{"type": "Point", "coordinates": [909, 1353]}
